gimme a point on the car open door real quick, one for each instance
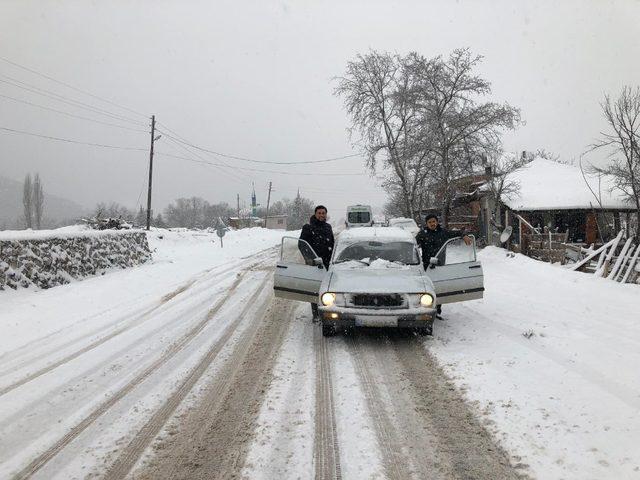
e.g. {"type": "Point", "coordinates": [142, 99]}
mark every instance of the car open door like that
{"type": "Point", "coordinates": [299, 271]}
{"type": "Point", "coordinates": [457, 276]}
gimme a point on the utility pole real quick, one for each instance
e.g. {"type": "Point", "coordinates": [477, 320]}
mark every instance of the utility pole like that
{"type": "Point", "coordinates": [238, 208]}
{"type": "Point", "coordinates": [266, 217]}
{"type": "Point", "coordinates": [153, 134]}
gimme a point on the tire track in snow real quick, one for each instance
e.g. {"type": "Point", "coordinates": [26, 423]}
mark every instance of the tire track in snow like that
{"type": "Point", "coordinates": [35, 465]}
{"type": "Point", "coordinates": [465, 449]}
{"type": "Point", "coordinates": [326, 448]}
{"type": "Point", "coordinates": [388, 439]}
{"type": "Point", "coordinates": [213, 437]}
{"type": "Point", "coordinates": [138, 320]}
{"type": "Point", "coordinates": [132, 452]}
{"type": "Point", "coordinates": [28, 348]}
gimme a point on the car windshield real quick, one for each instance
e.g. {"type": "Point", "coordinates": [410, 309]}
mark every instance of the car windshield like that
{"type": "Point", "coordinates": [368, 251]}
{"type": "Point", "coordinates": [359, 217]}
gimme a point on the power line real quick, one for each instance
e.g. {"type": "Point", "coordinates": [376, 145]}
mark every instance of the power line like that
{"type": "Point", "coordinates": [221, 169]}
{"type": "Point", "coordinates": [67, 140]}
{"type": "Point", "coordinates": [72, 115]}
{"type": "Point", "coordinates": [245, 159]}
{"type": "Point", "coordinates": [61, 98]}
{"type": "Point", "coordinates": [71, 87]}
{"type": "Point", "coordinates": [182, 145]}
{"type": "Point", "coordinates": [258, 169]}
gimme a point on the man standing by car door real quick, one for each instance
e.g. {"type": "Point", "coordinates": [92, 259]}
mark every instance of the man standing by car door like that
{"type": "Point", "coordinates": [432, 237]}
{"type": "Point", "coordinates": [319, 234]}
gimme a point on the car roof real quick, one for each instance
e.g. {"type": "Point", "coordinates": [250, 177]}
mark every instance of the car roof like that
{"type": "Point", "coordinates": [385, 234]}
{"type": "Point", "coordinates": [401, 220]}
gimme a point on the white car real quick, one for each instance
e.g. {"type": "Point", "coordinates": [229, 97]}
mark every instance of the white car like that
{"type": "Point", "coordinates": [408, 224]}
{"type": "Point", "coordinates": [376, 279]}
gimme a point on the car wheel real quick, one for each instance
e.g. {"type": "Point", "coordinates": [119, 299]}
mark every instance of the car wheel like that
{"type": "Point", "coordinates": [328, 330]}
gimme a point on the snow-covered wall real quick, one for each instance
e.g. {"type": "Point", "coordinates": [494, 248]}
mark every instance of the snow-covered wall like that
{"type": "Point", "coordinates": [50, 260]}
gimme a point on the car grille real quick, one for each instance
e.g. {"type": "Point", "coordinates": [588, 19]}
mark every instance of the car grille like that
{"type": "Point", "coordinates": [393, 300]}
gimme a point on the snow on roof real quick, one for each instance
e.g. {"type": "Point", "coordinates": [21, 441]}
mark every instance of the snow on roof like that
{"type": "Point", "coordinates": [397, 220]}
{"type": "Point", "coordinates": [376, 233]}
{"type": "Point", "coordinates": [549, 185]}
{"type": "Point", "coordinates": [63, 232]}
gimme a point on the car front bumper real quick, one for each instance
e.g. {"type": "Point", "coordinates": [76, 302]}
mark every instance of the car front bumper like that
{"type": "Point", "coordinates": [414, 318]}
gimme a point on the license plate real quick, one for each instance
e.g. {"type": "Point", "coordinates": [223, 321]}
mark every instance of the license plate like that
{"type": "Point", "coordinates": [376, 321]}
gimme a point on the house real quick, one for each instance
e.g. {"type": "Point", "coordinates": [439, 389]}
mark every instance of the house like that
{"type": "Point", "coordinates": [245, 222]}
{"type": "Point", "coordinates": [277, 222]}
{"type": "Point", "coordinates": [559, 197]}
{"type": "Point", "coordinates": [550, 194]}
{"type": "Point", "coordinates": [470, 206]}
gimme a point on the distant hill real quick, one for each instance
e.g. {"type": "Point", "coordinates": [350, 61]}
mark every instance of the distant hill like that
{"type": "Point", "coordinates": [57, 210]}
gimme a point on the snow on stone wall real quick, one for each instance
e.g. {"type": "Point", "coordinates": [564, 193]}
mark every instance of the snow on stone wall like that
{"type": "Point", "coordinates": [49, 261]}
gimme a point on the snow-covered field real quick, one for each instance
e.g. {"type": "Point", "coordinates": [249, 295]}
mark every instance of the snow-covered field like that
{"type": "Point", "coordinates": [552, 358]}
{"type": "Point", "coordinates": [101, 373]}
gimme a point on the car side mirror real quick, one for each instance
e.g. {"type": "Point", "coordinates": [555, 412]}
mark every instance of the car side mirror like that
{"type": "Point", "coordinates": [433, 262]}
{"type": "Point", "coordinates": [318, 262]}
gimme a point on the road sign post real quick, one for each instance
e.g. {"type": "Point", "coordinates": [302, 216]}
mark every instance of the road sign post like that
{"type": "Point", "coordinates": [220, 231]}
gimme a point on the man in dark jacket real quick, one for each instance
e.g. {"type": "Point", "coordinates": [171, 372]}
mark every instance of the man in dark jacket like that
{"type": "Point", "coordinates": [319, 234]}
{"type": "Point", "coordinates": [431, 238]}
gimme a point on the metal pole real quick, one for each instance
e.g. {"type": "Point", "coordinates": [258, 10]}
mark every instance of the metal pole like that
{"type": "Point", "coordinates": [153, 133]}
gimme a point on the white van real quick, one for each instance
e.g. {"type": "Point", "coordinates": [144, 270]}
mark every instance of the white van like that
{"type": "Point", "coordinates": [359, 216]}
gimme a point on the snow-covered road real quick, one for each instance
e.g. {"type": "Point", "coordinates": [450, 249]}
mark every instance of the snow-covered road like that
{"type": "Point", "coordinates": [189, 368]}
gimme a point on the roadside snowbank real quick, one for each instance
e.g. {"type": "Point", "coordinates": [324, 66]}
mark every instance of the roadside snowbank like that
{"type": "Point", "coordinates": [550, 356]}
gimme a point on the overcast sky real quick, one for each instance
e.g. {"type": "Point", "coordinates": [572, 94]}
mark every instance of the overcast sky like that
{"type": "Point", "coordinates": [254, 79]}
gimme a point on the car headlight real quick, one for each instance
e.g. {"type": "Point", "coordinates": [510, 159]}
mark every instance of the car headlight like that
{"type": "Point", "coordinates": [328, 299]}
{"type": "Point", "coordinates": [426, 300]}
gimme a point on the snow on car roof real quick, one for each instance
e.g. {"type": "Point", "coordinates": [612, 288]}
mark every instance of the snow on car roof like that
{"type": "Point", "coordinates": [393, 221]}
{"type": "Point", "coordinates": [548, 185]}
{"type": "Point", "coordinates": [389, 234]}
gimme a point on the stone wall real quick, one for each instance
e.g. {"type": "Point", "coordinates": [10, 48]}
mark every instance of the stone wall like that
{"type": "Point", "coordinates": [47, 261]}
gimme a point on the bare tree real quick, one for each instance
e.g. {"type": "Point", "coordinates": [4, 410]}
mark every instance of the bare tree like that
{"type": "Point", "coordinates": [422, 118]}
{"type": "Point", "coordinates": [623, 141]}
{"type": "Point", "coordinates": [113, 210]}
{"type": "Point", "coordinates": [461, 129]}
{"type": "Point", "coordinates": [380, 96]}
{"type": "Point", "coordinates": [186, 212]}
{"type": "Point", "coordinates": [27, 201]}
{"type": "Point", "coordinates": [299, 211]}
{"type": "Point", "coordinates": [501, 183]}
{"type": "Point", "coordinates": [38, 201]}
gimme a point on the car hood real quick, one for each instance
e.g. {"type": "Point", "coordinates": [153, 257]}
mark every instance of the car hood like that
{"type": "Point", "coordinates": [366, 280]}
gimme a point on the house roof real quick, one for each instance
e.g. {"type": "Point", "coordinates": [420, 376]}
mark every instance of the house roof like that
{"type": "Point", "coordinates": [549, 185]}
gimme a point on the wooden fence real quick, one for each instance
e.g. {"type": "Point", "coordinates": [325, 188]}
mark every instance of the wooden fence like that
{"type": "Point", "coordinates": [616, 260]}
{"type": "Point", "coordinates": [547, 246]}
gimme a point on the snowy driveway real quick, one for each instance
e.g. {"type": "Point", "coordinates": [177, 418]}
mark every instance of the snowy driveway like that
{"type": "Point", "coordinates": [194, 370]}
